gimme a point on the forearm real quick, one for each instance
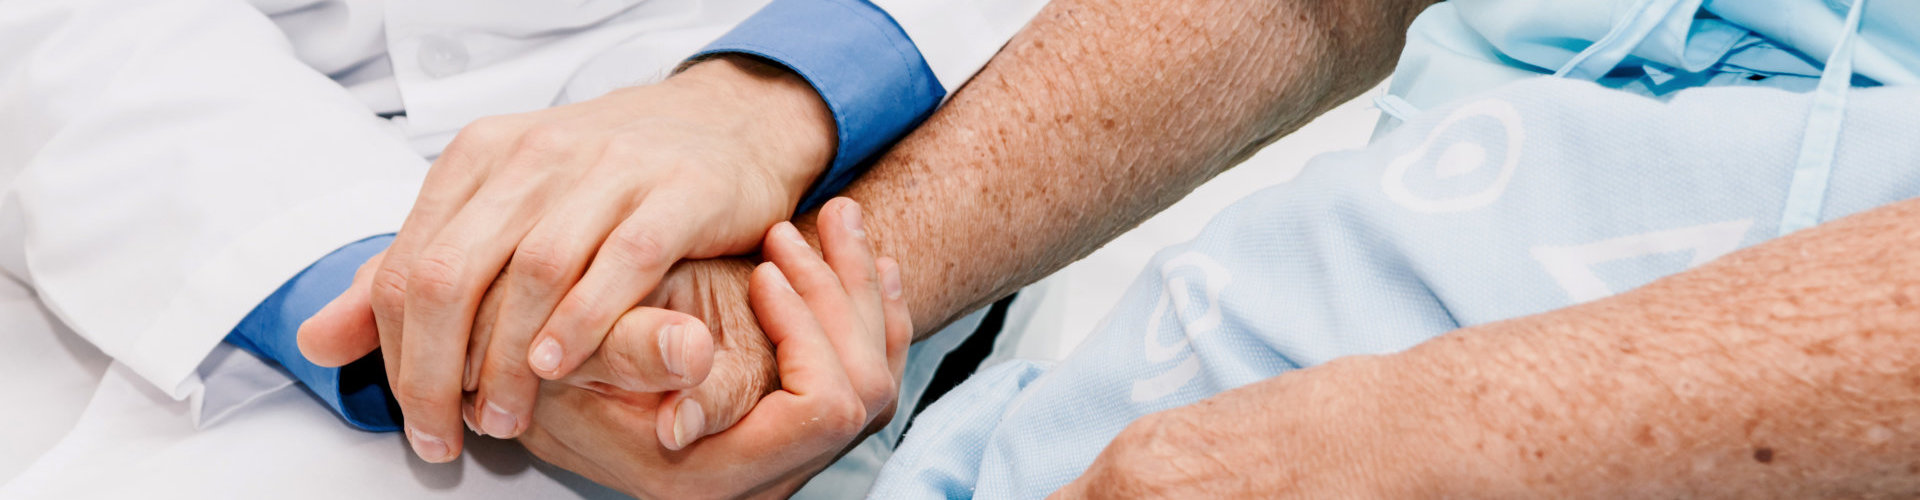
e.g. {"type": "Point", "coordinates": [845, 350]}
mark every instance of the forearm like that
{"type": "Point", "coordinates": [1788, 370]}
{"type": "Point", "coordinates": [1098, 115]}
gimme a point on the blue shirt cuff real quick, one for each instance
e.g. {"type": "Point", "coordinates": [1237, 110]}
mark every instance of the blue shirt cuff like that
{"type": "Point", "coordinates": [870, 74]}
{"type": "Point", "coordinates": [358, 391]}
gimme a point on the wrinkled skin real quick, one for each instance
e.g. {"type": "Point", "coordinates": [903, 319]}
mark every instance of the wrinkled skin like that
{"type": "Point", "coordinates": [825, 398]}
{"type": "Point", "coordinates": [715, 291]}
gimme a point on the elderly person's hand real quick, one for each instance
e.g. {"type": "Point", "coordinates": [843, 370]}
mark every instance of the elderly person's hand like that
{"type": "Point", "coordinates": [839, 330]}
{"type": "Point", "coordinates": [580, 210]}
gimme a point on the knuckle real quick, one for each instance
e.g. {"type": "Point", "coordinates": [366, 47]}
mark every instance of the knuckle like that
{"type": "Point", "coordinates": [414, 393]}
{"type": "Point", "coordinates": [389, 287]}
{"type": "Point", "coordinates": [880, 394]}
{"type": "Point", "coordinates": [580, 309]}
{"type": "Point", "coordinates": [477, 136]}
{"type": "Point", "coordinates": [624, 349]}
{"type": "Point", "coordinates": [486, 129]}
{"type": "Point", "coordinates": [635, 246]}
{"type": "Point", "coordinates": [623, 366]}
{"type": "Point", "coordinates": [436, 275]}
{"type": "Point", "coordinates": [628, 149]}
{"type": "Point", "coordinates": [842, 416]}
{"type": "Point", "coordinates": [881, 419]}
{"type": "Point", "coordinates": [548, 139]}
{"type": "Point", "coordinates": [541, 262]}
{"type": "Point", "coordinates": [508, 367]}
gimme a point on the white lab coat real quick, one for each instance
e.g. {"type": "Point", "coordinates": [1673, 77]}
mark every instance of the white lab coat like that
{"type": "Point", "coordinates": [166, 164]}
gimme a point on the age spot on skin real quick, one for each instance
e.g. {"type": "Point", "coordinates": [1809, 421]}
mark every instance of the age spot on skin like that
{"type": "Point", "coordinates": [1763, 455]}
{"type": "Point", "coordinates": [1645, 436]}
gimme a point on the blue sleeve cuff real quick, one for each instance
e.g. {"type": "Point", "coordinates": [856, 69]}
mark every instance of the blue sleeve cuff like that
{"type": "Point", "coordinates": [870, 74]}
{"type": "Point", "coordinates": [358, 391]}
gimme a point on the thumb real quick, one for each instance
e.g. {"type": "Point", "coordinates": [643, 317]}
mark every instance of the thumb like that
{"type": "Point", "coordinates": [649, 350]}
{"type": "Point", "coordinates": [344, 331]}
{"type": "Point", "coordinates": [746, 373]}
{"type": "Point", "coordinates": [738, 381]}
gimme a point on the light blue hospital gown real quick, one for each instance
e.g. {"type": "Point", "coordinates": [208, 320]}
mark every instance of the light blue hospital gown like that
{"type": "Point", "coordinates": [1528, 195]}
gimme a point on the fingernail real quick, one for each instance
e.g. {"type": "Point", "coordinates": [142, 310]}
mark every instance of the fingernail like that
{"type": "Point", "coordinates": [851, 217]}
{"type": "Point", "coordinates": [466, 415]}
{"type": "Point", "coordinates": [688, 421]}
{"type": "Point", "coordinates": [467, 382]}
{"type": "Point", "coordinates": [673, 350]}
{"type": "Point", "coordinates": [498, 422]}
{"type": "Point", "coordinates": [546, 355]}
{"type": "Point", "coordinates": [793, 234]}
{"type": "Point", "coordinates": [429, 448]}
{"type": "Point", "coordinates": [890, 282]}
{"type": "Point", "coordinates": [780, 278]}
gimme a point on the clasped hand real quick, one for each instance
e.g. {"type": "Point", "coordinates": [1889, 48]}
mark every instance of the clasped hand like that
{"type": "Point", "coordinates": [527, 269]}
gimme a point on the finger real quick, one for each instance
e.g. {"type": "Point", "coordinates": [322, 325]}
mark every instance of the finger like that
{"type": "Point", "coordinates": [450, 182]}
{"type": "Point", "coordinates": [641, 352]}
{"type": "Point", "coordinates": [899, 319]}
{"type": "Point", "coordinates": [859, 341]}
{"type": "Point", "coordinates": [843, 240]}
{"type": "Point", "coordinates": [625, 269]}
{"type": "Point", "coordinates": [813, 390]}
{"type": "Point", "coordinates": [546, 263]}
{"type": "Point", "coordinates": [484, 324]}
{"type": "Point", "coordinates": [344, 330]}
{"type": "Point", "coordinates": [810, 276]}
{"type": "Point", "coordinates": [444, 288]}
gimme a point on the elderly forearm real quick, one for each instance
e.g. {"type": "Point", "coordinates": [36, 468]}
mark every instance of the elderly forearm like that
{"type": "Point", "coordinates": [1789, 370]}
{"type": "Point", "coordinates": [1098, 115]}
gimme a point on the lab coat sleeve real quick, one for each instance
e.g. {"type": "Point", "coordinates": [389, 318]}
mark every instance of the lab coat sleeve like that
{"type": "Point", "coordinates": [357, 392]}
{"type": "Point", "coordinates": [957, 37]}
{"type": "Point", "coordinates": [167, 164]}
{"type": "Point", "coordinates": [877, 76]}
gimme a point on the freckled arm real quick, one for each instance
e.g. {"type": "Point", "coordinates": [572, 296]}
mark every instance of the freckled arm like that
{"type": "Point", "coordinates": [1098, 115]}
{"type": "Point", "coordinates": [1788, 370]}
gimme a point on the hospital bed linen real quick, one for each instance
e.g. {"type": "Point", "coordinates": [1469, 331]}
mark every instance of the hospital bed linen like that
{"type": "Point", "coordinates": [1529, 194]}
{"type": "Point", "coordinates": [1539, 195]}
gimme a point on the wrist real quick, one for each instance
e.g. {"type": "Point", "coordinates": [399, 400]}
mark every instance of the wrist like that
{"type": "Point", "coordinates": [783, 117]}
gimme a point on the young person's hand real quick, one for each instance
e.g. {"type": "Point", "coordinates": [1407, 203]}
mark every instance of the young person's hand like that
{"type": "Point", "coordinates": [578, 211]}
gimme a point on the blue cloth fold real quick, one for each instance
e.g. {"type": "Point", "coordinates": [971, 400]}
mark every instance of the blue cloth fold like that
{"type": "Point", "coordinates": [357, 392]}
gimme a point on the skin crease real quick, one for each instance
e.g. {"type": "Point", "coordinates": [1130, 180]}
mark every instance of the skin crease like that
{"type": "Point", "coordinates": [1787, 370]}
{"type": "Point", "coordinates": [825, 399]}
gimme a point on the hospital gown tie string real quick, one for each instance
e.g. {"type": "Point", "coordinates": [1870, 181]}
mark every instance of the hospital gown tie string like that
{"type": "Point", "coordinates": [1807, 192]}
